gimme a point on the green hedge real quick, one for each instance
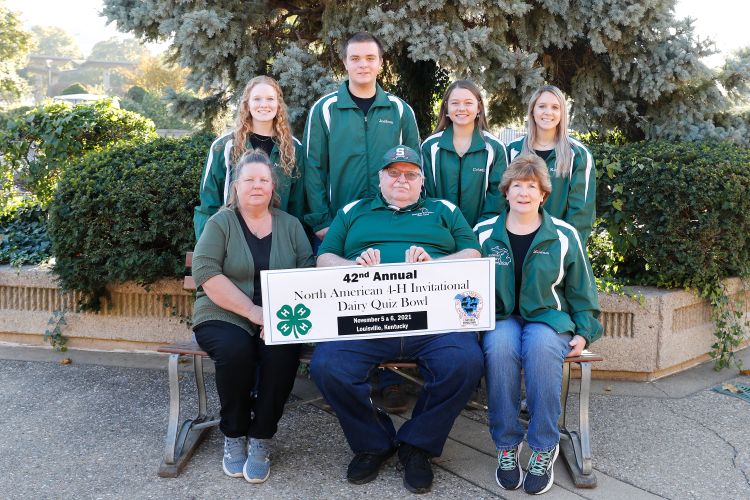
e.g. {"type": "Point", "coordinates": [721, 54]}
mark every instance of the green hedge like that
{"type": "Point", "coordinates": [126, 214]}
{"type": "Point", "coordinates": [23, 234]}
{"type": "Point", "coordinates": [678, 214]}
{"type": "Point", "coordinates": [38, 144]}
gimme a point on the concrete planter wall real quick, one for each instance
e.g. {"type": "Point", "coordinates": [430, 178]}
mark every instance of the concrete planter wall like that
{"type": "Point", "coordinates": [134, 319]}
{"type": "Point", "coordinates": [665, 332]}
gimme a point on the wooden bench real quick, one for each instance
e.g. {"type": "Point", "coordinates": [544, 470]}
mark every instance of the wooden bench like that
{"type": "Point", "coordinates": [184, 437]}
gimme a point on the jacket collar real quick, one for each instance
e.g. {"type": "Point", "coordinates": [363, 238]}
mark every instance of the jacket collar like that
{"type": "Point", "coordinates": [551, 156]}
{"type": "Point", "coordinates": [345, 100]}
{"type": "Point", "coordinates": [379, 202]}
{"type": "Point", "coordinates": [446, 140]}
{"type": "Point", "coordinates": [547, 231]}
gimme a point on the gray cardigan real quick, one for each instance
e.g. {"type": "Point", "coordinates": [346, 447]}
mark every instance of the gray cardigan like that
{"type": "Point", "coordinates": [222, 249]}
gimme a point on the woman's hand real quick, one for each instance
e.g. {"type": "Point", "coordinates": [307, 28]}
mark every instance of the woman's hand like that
{"type": "Point", "coordinates": [417, 254]}
{"type": "Point", "coordinates": [255, 315]}
{"type": "Point", "coordinates": [370, 257]}
{"type": "Point", "coordinates": [576, 346]}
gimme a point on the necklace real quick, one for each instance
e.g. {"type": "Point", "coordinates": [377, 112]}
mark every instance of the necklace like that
{"type": "Point", "coordinates": [261, 228]}
{"type": "Point", "coordinates": [539, 145]}
{"type": "Point", "coordinates": [262, 138]}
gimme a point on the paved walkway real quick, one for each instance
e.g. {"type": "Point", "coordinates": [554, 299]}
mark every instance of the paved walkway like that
{"type": "Point", "coordinates": [94, 429]}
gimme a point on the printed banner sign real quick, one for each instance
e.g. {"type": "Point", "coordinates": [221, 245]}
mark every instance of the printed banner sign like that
{"type": "Point", "coordinates": [389, 300]}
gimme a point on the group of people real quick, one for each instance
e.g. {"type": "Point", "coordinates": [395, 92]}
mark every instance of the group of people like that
{"type": "Point", "coordinates": [360, 189]}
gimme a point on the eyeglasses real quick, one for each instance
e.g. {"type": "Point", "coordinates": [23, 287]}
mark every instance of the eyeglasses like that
{"type": "Point", "coordinates": [410, 176]}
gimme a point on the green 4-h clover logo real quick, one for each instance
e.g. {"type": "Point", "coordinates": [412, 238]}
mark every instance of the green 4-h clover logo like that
{"type": "Point", "coordinates": [293, 321]}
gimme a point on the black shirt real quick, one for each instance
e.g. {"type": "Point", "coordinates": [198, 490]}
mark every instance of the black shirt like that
{"type": "Point", "coordinates": [519, 244]}
{"type": "Point", "coordinates": [260, 249]}
{"type": "Point", "coordinates": [543, 153]}
{"type": "Point", "coordinates": [363, 103]}
{"type": "Point", "coordinates": [263, 142]}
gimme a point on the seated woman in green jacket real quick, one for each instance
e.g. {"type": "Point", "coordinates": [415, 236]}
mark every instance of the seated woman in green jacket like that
{"type": "Point", "coordinates": [246, 236]}
{"type": "Point", "coordinates": [546, 308]}
{"type": "Point", "coordinates": [462, 160]}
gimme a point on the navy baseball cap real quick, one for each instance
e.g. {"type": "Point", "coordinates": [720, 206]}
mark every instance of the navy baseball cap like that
{"type": "Point", "coordinates": [401, 153]}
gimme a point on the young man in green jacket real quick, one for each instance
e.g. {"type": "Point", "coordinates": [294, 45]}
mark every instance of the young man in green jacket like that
{"type": "Point", "coordinates": [346, 135]}
{"type": "Point", "coordinates": [348, 132]}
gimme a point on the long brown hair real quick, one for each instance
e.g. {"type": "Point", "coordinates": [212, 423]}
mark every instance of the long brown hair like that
{"type": "Point", "coordinates": [444, 120]}
{"type": "Point", "coordinates": [283, 134]}
{"type": "Point", "coordinates": [563, 149]}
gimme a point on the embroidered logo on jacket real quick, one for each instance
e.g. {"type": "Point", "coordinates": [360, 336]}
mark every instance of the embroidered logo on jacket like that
{"type": "Point", "coordinates": [422, 212]}
{"type": "Point", "coordinates": [501, 255]}
{"type": "Point", "coordinates": [383, 120]}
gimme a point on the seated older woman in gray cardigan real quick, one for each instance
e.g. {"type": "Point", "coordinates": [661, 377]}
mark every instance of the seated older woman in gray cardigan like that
{"type": "Point", "coordinates": [244, 237]}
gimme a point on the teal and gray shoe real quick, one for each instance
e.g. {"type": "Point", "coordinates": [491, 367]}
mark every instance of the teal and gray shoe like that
{"type": "Point", "coordinates": [541, 473]}
{"type": "Point", "coordinates": [509, 475]}
{"type": "Point", "coordinates": [235, 455]}
{"type": "Point", "coordinates": [258, 465]}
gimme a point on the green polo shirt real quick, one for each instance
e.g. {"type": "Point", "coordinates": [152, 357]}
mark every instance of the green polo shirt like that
{"type": "Point", "coordinates": [435, 225]}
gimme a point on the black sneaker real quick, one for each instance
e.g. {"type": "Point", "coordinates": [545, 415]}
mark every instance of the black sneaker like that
{"type": "Point", "coordinates": [541, 473]}
{"type": "Point", "coordinates": [417, 468]}
{"type": "Point", "coordinates": [508, 474]}
{"type": "Point", "coordinates": [364, 467]}
{"type": "Point", "coordinates": [394, 400]}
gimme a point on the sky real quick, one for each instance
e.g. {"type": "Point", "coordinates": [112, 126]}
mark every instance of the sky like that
{"type": "Point", "coordinates": [724, 21]}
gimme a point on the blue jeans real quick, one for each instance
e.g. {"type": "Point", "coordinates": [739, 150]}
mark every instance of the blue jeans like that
{"type": "Point", "coordinates": [514, 345]}
{"type": "Point", "coordinates": [450, 365]}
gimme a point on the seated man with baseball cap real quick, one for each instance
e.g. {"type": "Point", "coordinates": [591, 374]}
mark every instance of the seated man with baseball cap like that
{"type": "Point", "coordinates": [398, 225]}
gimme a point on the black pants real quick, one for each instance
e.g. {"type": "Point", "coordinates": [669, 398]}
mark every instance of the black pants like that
{"type": "Point", "coordinates": [239, 357]}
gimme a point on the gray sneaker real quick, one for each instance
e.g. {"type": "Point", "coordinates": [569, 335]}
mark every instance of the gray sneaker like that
{"type": "Point", "coordinates": [258, 465]}
{"type": "Point", "coordinates": [235, 455]}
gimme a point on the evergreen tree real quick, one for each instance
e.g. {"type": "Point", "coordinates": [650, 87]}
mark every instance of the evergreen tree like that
{"type": "Point", "coordinates": [624, 63]}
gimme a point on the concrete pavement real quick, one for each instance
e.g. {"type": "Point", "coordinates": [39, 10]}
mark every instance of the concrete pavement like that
{"type": "Point", "coordinates": [95, 429]}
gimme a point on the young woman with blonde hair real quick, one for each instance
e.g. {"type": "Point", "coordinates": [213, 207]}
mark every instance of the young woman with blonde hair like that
{"type": "Point", "coordinates": [261, 123]}
{"type": "Point", "coordinates": [569, 162]}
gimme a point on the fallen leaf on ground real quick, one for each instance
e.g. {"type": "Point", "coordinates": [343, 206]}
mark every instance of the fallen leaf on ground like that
{"type": "Point", "coordinates": [66, 361]}
{"type": "Point", "coordinates": [731, 388]}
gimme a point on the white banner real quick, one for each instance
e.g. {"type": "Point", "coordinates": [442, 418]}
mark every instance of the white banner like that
{"type": "Point", "coordinates": [389, 300]}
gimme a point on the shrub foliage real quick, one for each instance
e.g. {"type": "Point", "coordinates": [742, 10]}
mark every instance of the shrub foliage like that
{"type": "Point", "coordinates": [37, 145]}
{"type": "Point", "coordinates": [678, 213]}
{"type": "Point", "coordinates": [126, 214]}
{"type": "Point", "coordinates": [23, 235]}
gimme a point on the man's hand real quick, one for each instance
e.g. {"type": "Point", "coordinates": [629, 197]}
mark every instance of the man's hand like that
{"type": "Point", "coordinates": [417, 254]}
{"type": "Point", "coordinates": [576, 346]}
{"type": "Point", "coordinates": [370, 257]}
{"type": "Point", "coordinates": [322, 233]}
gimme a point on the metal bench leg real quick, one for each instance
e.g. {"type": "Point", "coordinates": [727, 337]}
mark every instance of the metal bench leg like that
{"type": "Point", "coordinates": [174, 410]}
{"type": "Point", "coordinates": [181, 445]}
{"type": "Point", "coordinates": [200, 385]}
{"type": "Point", "coordinates": [575, 446]}
{"type": "Point", "coordinates": [584, 418]}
